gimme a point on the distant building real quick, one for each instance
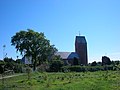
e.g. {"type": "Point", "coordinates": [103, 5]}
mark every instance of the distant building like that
{"type": "Point", "coordinates": [79, 56]}
{"type": "Point", "coordinates": [69, 58]}
{"type": "Point", "coordinates": [26, 60]}
{"type": "Point", "coordinates": [106, 60]}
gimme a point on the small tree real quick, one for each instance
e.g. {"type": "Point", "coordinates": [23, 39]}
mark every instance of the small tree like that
{"type": "Point", "coordinates": [56, 64]}
{"type": "Point", "coordinates": [28, 71]}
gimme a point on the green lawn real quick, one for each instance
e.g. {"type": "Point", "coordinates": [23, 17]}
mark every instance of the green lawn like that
{"type": "Point", "coordinates": [101, 80]}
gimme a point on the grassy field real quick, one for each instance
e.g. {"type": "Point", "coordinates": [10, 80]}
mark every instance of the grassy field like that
{"type": "Point", "coordinates": [101, 80]}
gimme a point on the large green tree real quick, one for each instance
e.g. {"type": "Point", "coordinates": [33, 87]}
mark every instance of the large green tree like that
{"type": "Point", "coordinates": [34, 44]}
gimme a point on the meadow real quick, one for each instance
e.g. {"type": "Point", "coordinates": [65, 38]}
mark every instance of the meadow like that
{"type": "Point", "coordinates": [99, 80]}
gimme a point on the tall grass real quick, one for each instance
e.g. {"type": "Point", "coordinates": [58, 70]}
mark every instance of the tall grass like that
{"type": "Point", "coordinates": [101, 80]}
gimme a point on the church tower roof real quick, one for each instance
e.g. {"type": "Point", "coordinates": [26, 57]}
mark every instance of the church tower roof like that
{"type": "Point", "coordinates": [80, 39]}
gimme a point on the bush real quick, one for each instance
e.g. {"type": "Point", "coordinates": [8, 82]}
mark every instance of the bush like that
{"type": "Point", "coordinates": [108, 67]}
{"type": "Point", "coordinates": [18, 68]}
{"type": "Point", "coordinates": [55, 66]}
{"type": "Point", "coordinates": [43, 67]}
{"type": "Point", "coordinates": [74, 68]}
{"type": "Point", "coordinates": [28, 71]}
{"type": "Point", "coordinates": [86, 68]}
{"type": "Point", "coordinates": [1, 69]}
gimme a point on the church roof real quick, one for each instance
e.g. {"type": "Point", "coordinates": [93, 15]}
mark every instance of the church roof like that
{"type": "Point", "coordinates": [68, 55]}
{"type": "Point", "coordinates": [80, 39]}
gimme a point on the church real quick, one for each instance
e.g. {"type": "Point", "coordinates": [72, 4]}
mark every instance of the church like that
{"type": "Point", "coordinates": [79, 57]}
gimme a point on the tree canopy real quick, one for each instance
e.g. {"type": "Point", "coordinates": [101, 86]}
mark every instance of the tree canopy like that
{"type": "Point", "coordinates": [31, 43]}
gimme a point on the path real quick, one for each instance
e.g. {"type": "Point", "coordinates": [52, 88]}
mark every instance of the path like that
{"type": "Point", "coordinates": [11, 76]}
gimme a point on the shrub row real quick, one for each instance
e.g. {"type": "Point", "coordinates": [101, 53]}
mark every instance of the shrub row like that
{"type": "Point", "coordinates": [86, 68]}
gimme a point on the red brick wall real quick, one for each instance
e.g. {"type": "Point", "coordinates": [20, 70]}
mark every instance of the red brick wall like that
{"type": "Point", "coordinates": [81, 49]}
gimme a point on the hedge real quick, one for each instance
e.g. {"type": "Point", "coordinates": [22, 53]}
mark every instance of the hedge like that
{"type": "Point", "coordinates": [86, 68]}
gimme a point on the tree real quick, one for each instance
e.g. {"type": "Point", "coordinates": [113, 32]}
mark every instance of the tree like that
{"type": "Point", "coordinates": [34, 44]}
{"type": "Point", "coordinates": [47, 53]}
{"type": "Point", "coordinates": [2, 63]}
{"type": "Point", "coordinates": [94, 63]}
{"type": "Point", "coordinates": [10, 63]}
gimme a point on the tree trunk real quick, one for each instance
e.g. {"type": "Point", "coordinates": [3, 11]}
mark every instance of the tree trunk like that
{"type": "Point", "coordinates": [34, 65]}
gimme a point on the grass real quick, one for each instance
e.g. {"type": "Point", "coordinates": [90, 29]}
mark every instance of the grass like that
{"type": "Point", "coordinates": [101, 80]}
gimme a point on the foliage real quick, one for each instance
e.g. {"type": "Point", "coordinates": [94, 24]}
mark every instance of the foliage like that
{"type": "Point", "coordinates": [117, 62]}
{"type": "Point", "coordinates": [56, 64]}
{"type": "Point", "coordinates": [94, 63]}
{"type": "Point", "coordinates": [28, 71]}
{"type": "Point", "coordinates": [18, 68]}
{"type": "Point", "coordinates": [87, 68]}
{"type": "Point", "coordinates": [18, 61]}
{"type": "Point", "coordinates": [43, 67]}
{"type": "Point", "coordinates": [1, 69]}
{"type": "Point", "coordinates": [1, 66]}
{"type": "Point", "coordinates": [31, 43]}
{"type": "Point", "coordinates": [2, 62]}
{"type": "Point", "coordinates": [10, 64]}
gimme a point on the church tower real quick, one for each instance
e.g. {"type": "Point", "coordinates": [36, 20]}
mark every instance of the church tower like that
{"type": "Point", "coordinates": [81, 49]}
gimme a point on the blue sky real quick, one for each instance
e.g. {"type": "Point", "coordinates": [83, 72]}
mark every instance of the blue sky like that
{"type": "Point", "coordinates": [61, 21]}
